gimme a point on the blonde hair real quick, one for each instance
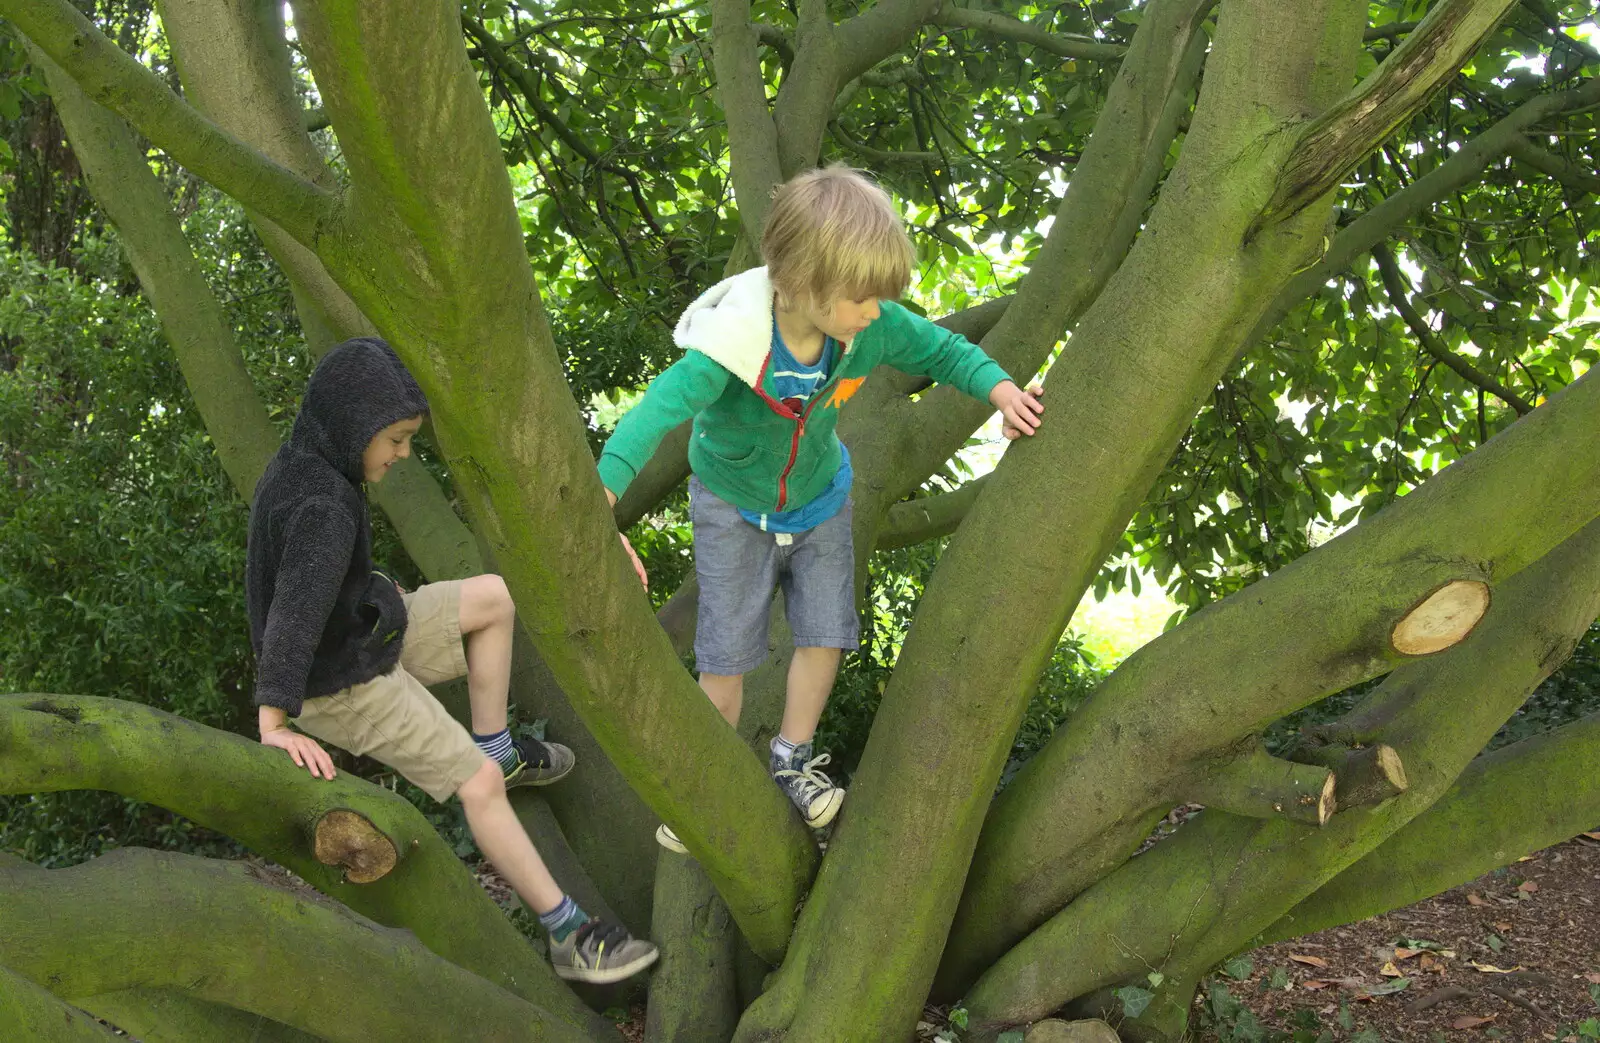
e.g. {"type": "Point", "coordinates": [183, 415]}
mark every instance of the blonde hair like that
{"type": "Point", "coordinates": [835, 233]}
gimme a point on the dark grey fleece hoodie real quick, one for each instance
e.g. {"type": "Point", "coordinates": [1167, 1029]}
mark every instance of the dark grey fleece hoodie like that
{"type": "Point", "coordinates": [320, 619]}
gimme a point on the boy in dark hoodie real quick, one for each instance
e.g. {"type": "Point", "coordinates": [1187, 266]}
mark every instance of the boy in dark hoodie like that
{"type": "Point", "coordinates": [346, 652]}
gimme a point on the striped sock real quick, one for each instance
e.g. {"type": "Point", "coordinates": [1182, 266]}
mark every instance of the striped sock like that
{"type": "Point", "coordinates": [563, 919]}
{"type": "Point", "coordinates": [498, 748]}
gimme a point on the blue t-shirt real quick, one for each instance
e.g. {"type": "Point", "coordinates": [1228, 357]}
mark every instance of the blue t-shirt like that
{"type": "Point", "coordinates": [795, 383]}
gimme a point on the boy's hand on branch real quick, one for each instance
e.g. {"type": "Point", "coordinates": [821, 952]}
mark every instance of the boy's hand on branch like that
{"type": "Point", "coordinates": [275, 731]}
{"type": "Point", "coordinates": [638, 566]}
{"type": "Point", "coordinates": [304, 749]}
{"type": "Point", "coordinates": [1020, 411]}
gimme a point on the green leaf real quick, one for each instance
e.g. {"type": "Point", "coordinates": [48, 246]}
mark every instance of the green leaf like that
{"type": "Point", "coordinates": [1239, 968]}
{"type": "Point", "coordinates": [1134, 999]}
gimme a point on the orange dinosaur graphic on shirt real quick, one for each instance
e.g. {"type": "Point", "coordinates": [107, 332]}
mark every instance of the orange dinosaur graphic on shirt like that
{"type": "Point", "coordinates": [844, 391]}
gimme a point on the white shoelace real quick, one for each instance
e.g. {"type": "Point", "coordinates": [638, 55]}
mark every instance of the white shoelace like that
{"type": "Point", "coordinates": [809, 773]}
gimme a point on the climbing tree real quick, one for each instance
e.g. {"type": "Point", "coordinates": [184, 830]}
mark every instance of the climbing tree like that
{"type": "Point", "coordinates": [1283, 264]}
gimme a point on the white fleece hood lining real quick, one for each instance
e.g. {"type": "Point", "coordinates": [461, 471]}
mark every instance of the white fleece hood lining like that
{"type": "Point", "coordinates": [731, 324]}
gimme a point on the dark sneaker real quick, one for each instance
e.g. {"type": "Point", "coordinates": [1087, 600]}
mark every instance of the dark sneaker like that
{"type": "Point", "coordinates": [600, 952]}
{"type": "Point", "coordinates": [811, 791]}
{"type": "Point", "coordinates": [669, 840]}
{"type": "Point", "coordinates": [539, 763]}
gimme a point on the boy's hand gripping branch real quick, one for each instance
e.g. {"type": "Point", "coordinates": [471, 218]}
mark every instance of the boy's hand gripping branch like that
{"type": "Point", "coordinates": [275, 731]}
{"type": "Point", "coordinates": [1020, 411]}
{"type": "Point", "coordinates": [633, 556]}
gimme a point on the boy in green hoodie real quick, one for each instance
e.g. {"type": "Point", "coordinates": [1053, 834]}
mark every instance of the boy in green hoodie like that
{"type": "Point", "coordinates": [773, 353]}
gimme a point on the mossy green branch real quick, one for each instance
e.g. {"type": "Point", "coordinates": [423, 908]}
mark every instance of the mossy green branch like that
{"type": "Point", "coordinates": [31, 1013]}
{"type": "Point", "coordinates": [173, 1015]}
{"type": "Point", "coordinates": [137, 918]}
{"type": "Point", "coordinates": [127, 191]}
{"type": "Point", "coordinates": [127, 88]}
{"type": "Point", "coordinates": [1259, 785]}
{"type": "Point", "coordinates": [1086, 244]}
{"type": "Point", "coordinates": [256, 795]}
{"type": "Point", "coordinates": [752, 135]}
{"type": "Point", "coordinates": [1465, 165]}
{"type": "Point", "coordinates": [1062, 45]}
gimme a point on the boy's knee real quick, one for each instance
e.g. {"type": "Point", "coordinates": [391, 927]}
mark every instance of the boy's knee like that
{"type": "Point", "coordinates": [724, 689]}
{"type": "Point", "coordinates": [486, 600]}
{"type": "Point", "coordinates": [486, 785]}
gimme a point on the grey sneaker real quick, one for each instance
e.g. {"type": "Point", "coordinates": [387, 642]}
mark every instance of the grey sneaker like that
{"type": "Point", "coordinates": [539, 763]}
{"type": "Point", "coordinates": [600, 952]}
{"type": "Point", "coordinates": [811, 791]}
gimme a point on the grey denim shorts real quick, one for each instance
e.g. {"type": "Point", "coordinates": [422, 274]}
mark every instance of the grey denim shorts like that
{"type": "Point", "coordinates": [739, 566]}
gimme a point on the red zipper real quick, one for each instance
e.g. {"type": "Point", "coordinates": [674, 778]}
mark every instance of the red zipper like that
{"type": "Point", "coordinates": [798, 418]}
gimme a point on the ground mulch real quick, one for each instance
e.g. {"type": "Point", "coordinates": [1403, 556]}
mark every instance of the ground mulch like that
{"type": "Point", "coordinates": [1513, 955]}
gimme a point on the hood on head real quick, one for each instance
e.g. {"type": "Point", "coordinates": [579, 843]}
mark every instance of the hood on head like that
{"type": "Point", "coordinates": [358, 389]}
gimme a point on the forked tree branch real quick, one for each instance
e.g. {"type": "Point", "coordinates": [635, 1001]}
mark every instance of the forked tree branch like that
{"type": "Point", "coordinates": [1337, 140]}
{"type": "Point", "coordinates": [876, 33]}
{"type": "Point", "coordinates": [124, 86]}
{"type": "Point", "coordinates": [1465, 165]}
{"type": "Point", "coordinates": [1507, 804]}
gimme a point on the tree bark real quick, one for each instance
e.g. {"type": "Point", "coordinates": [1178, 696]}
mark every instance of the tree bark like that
{"type": "Point", "coordinates": [175, 1016]}
{"type": "Point", "coordinates": [1333, 143]}
{"type": "Point", "coordinates": [694, 996]}
{"type": "Point", "coordinates": [35, 1015]}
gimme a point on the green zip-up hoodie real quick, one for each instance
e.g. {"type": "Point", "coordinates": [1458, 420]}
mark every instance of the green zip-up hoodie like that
{"type": "Point", "coordinates": [748, 447]}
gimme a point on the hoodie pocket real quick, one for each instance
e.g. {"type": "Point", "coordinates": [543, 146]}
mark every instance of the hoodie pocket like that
{"type": "Point", "coordinates": [384, 608]}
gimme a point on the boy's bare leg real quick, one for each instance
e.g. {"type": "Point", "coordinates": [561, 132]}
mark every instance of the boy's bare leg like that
{"type": "Point", "coordinates": [726, 693]}
{"type": "Point", "coordinates": [811, 674]}
{"type": "Point", "coordinates": [487, 617]}
{"type": "Point", "coordinates": [504, 842]}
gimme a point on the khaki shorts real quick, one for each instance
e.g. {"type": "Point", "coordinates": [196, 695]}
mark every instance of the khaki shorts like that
{"type": "Point", "coordinates": [393, 718]}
